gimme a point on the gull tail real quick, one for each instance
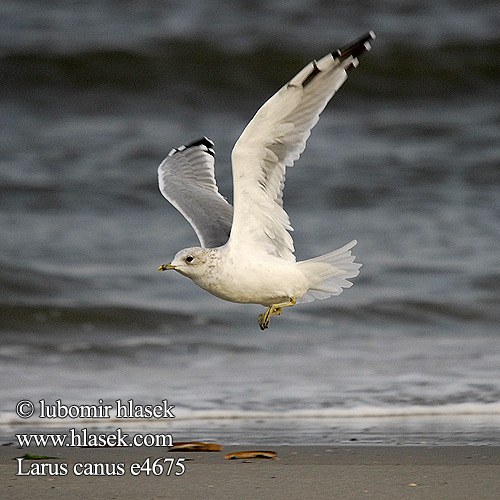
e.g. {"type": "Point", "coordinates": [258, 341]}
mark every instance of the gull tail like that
{"type": "Point", "coordinates": [328, 274]}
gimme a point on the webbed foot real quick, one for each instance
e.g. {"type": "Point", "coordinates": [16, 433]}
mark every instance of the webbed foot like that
{"type": "Point", "coordinates": [264, 319]}
{"type": "Point", "coordinates": [274, 310]}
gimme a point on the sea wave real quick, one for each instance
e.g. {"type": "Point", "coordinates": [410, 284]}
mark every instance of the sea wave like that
{"type": "Point", "coordinates": [357, 413]}
{"type": "Point", "coordinates": [346, 413]}
{"type": "Point", "coordinates": [53, 317]}
{"type": "Point", "coordinates": [419, 311]}
{"type": "Point", "coordinates": [395, 70]}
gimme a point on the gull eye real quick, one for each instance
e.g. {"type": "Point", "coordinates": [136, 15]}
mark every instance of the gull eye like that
{"type": "Point", "coordinates": [189, 259]}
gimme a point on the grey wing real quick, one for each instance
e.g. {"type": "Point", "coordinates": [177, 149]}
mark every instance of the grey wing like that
{"type": "Point", "coordinates": [187, 180]}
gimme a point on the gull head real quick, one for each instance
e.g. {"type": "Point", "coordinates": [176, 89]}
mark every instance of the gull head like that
{"type": "Point", "coordinates": [191, 262]}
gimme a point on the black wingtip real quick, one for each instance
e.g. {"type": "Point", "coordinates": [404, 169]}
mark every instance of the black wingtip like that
{"type": "Point", "coordinates": [204, 141]}
{"type": "Point", "coordinates": [356, 48]}
{"type": "Point", "coordinates": [311, 75]}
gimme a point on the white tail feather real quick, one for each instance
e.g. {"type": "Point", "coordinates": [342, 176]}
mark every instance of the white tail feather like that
{"type": "Point", "coordinates": [328, 274]}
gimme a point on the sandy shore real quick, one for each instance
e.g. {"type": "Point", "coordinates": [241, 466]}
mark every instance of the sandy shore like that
{"type": "Point", "coordinates": [302, 472]}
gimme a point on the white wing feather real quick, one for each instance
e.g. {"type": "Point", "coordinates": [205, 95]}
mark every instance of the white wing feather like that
{"type": "Point", "coordinates": [273, 140]}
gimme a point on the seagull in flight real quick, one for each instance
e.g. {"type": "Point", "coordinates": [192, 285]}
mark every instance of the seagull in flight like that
{"type": "Point", "coordinates": [247, 252]}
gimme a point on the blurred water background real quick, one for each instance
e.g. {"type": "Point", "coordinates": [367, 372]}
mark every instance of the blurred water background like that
{"type": "Point", "coordinates": [406, 159]}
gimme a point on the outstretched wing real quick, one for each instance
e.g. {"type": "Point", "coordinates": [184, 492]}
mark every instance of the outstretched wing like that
{"type": "Point", "coordinates": [272, 141]}
{"type": "Point", "coordinates": [187, 180]}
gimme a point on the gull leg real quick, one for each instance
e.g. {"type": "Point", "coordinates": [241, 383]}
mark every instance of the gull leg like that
{"type": "Point", "coordinates": [274, 310]}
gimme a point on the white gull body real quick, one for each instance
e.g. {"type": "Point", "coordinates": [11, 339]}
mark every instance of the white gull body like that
{"type": "Point", "coordinates": [247, 253]}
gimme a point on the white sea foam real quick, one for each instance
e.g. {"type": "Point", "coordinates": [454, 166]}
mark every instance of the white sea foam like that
{"type": "Point", "coordinates": [360, 412]}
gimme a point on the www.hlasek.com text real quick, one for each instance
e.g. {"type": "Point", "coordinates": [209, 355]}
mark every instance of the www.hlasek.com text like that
{"type": "Point", "coordinates": [83, 439]}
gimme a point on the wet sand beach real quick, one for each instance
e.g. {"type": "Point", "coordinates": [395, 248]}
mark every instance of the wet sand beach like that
{"type": "Point", "coordinates": [346, 472]}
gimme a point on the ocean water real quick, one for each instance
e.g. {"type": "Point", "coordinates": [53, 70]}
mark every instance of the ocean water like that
{"type": "Point", "coordinates": [406, 159]}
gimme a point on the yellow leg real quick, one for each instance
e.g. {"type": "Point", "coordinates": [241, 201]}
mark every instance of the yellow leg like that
{"type": "Point", "coordinates": [274, 310]}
